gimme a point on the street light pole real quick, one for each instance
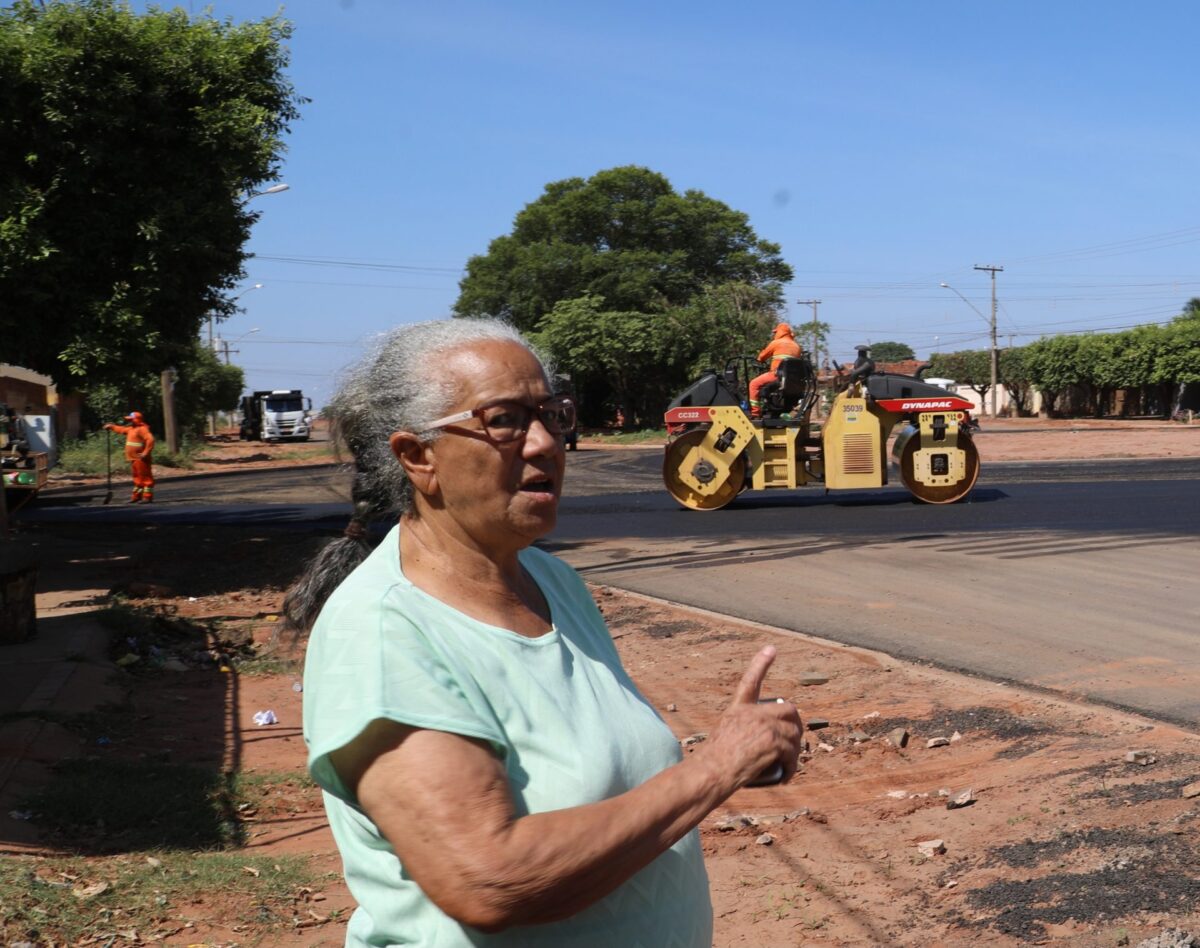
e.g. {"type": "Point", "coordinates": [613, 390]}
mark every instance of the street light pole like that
{"type": "Point", "coordinates": [995, 351]}
{"type": "Point", "coordinates": [226, 343]}
{"type": "Point", "coordinates": [995, 361]}
{"type": "Point", "coordinates": [212, 346]}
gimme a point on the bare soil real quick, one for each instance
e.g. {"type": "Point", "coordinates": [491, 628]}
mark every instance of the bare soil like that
{"type": "Point", "coordinates": [1064, 842]}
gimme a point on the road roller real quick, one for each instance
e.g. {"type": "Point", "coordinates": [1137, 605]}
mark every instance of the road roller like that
{"type": "Point", "coordinates": [717, 450]}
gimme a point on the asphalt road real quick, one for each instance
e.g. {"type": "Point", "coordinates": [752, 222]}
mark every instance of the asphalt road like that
{"type": "Point", "coordinates": [1078, 577]}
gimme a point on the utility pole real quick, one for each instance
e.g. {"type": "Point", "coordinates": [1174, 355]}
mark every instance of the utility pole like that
{"type": "Point", "coordinates": [168, 403]}
{"type": "Point", "coordinates": [993, 270]}
{"type": "Point", "coordinates": [816, 347]}
{"type": "Point", "coordinates": [212, 415]}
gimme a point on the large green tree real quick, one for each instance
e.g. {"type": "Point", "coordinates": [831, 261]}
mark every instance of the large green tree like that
{"type": "Point", "coordinates": [624, 236]}
{"type": "Point", "coordinates": [891, 351]}
{"type": "Point", "coordinates": [631, 286]}
{"type": "Point", "coordinates": [129, 144]}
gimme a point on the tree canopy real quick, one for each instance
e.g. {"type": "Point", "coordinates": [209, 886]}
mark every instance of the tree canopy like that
{"type": "Point", "coordinates": [1152, 365]}
{"type": "Point", "coordinates": [129, 144]}
{"type": "Point", "coordinates": [630, 286]}
{"type": "Point", "coordinates": [891, 351]}
{"type": "Point", "coordinates": [623, 235]}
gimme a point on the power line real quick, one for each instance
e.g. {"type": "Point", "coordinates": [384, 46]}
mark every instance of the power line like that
{"type": "Point", "coordinates": [356, 264]}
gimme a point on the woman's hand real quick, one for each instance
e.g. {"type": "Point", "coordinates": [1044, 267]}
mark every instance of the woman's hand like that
{"type": "Point", "coordinates": [751, 737]}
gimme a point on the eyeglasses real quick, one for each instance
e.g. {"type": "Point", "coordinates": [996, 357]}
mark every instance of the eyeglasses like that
{"type": "Point", "coordinates": [505, 422]}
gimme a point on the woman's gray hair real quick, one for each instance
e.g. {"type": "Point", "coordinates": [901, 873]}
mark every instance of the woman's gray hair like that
{"type": "Point", "coordinates": [392, 389]}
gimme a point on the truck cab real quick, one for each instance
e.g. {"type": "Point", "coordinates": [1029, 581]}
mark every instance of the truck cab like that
{"type": "Point", "coordinates": [279, 415]}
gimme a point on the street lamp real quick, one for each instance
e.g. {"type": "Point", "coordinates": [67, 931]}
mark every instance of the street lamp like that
{"type": "Point", "coordinates": [995, 353]}
{"type": "Point", "coordinates": [226, 343]}
{"type": "Point", "coordinates": [273, 189]}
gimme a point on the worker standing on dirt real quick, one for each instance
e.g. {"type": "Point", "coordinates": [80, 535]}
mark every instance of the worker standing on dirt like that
{"type": "Point", "coordinates": [782, 346]}
{"type": "Point", "coordinates": [139, 443]}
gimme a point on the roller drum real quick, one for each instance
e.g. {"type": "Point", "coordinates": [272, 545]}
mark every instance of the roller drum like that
{"type": "Point", "coordinates": [684, 454]}
{"type": "Point", "coordinates": [936, 472]}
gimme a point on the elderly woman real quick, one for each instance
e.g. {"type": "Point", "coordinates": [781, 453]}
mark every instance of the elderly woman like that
{"type": "Point", "coordinates": [491, 773]}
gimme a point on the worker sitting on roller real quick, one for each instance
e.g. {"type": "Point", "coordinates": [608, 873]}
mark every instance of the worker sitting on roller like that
{"type": "Point", "coordinates": [139, 443]}
{"type": "Point", "coordinates": [783, 346]}
{"type": "Point", "coordinates": [864, 365]}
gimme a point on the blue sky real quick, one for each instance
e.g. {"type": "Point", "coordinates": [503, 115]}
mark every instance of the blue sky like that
{"type": "Point", "coordinates": [886, 146]}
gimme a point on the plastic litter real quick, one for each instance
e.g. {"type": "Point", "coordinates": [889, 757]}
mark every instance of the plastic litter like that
{"type": "Point", "coordinates": [297, 686]}
{"type": "Point", "coordinates": [21, 814]}
{"type": "Point", "coordinates": [265, 717]}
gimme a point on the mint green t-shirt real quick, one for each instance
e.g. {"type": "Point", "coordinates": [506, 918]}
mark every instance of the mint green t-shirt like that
{"type": "Point", "coordinates": [560, 712]}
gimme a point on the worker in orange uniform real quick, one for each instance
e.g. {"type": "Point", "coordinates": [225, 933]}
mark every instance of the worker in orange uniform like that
{"type": "Point", "coordinates": [139, 443]}
{"type": "Point", "coordinates": [782, 346]}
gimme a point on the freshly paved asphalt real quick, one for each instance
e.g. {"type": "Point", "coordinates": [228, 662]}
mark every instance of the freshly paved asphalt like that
{"type": "Point", "coordinates": [1077, 577]}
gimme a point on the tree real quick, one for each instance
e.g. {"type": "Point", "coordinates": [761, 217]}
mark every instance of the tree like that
{"type": "Point", "coordinates": [725, 321]}
{"type": "Point", "coordinates": [891, 351]}
{"type": "Point", "coordinates": [970, 367]}
{"type": "Point", "coordinates": [632, 353]}
{"type": "Point", "coordinates": [128, 145]}
{"type": "Point", "coordinates": [203, 384]}
{"type": "Point", "coordinates": [1015, 377]}
{"type": "Point", "coordinates": [623, 236]}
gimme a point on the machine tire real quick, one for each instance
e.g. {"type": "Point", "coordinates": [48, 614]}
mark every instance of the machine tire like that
{"type": "Point", "coordinates": [939, 495]}
{"type": "Point", "coordinates": [676, 456]}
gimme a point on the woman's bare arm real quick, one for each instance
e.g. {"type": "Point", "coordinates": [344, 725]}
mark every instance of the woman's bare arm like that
{"type": "Point", "coordinates": [443, 803]}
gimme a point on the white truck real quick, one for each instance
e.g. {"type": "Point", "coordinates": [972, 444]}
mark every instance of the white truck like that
{"type": "Point", "coordinates": [283, 414]}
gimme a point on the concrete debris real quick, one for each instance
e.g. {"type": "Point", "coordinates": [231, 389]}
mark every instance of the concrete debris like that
{"type": "Point", "coordinates": [815, 724]}
{"type": "Point", "coordinates": [931, 847]}
{"type": "Point", "coordinates": [958, 800]}
{"type": "Point", "coordinates": [799, 814]}
{"type": "Point", "coordinates": [871, 716]}
{"type": "Point", "coordinates": [766, 839]}
{"type": "Point", "coordinates": [898, 737]}
{"type": "Point", "coordinates": [955, 737]}
{"type": "Point", "coordinates": [898, 794]}
{"type": "Point", "coordinates": [740, 821]}
{"type": "Point", "coordinates": [938, 742]}
{"type": "Point", "coordinates": [1142, 757]}
{"type": "Point", "coordinates": [1171, 938]}
{"type": "Point", "coordinates": [1191, 790]}
{"type": "Point", "coordinates": [812, 679]}
{"type": "Point", "coordinates": [694, 739]}
{"type": "Point", "coordinates": [825, 747]}
{"type": "Point", "coordinates": [672, 707]}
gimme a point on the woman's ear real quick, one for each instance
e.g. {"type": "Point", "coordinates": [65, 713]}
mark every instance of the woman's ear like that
{"type": "Point", "coordinates": [416, 458]}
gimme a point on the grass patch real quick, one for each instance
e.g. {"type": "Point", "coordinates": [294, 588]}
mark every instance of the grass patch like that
{"type": "Point", "coordinates": [90, 454]}
{"type": "Point", "coordinates": [46, 900]}
{"type": "Point", "coordinates": [645, 436]}
{"type": "Point", "coordinates": [109, 805]}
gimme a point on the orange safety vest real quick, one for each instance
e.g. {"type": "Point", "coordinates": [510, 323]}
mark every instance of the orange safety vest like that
{"type": "Point", "coordinates": [782, 347]}
{"type": "Point", "coordinates": [139, 442]}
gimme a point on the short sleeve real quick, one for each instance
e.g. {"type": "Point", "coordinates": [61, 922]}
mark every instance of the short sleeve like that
{"type": "Point", "coordinates": [366, 664]}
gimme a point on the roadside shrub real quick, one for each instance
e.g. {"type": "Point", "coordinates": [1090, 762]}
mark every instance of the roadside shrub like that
{"type": "Point", "coordinates": [89, 454]}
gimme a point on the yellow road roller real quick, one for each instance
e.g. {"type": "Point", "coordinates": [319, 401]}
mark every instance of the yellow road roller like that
{"type": "Point", "coordinates": [717, 450]}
